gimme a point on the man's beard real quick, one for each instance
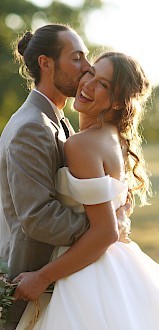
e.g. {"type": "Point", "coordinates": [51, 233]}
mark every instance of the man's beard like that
{"type": "Point", "coordinates": [64, 83]}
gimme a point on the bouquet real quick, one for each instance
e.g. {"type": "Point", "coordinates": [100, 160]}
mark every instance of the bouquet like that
{"type": "Point", "coordinates": [7, 290]}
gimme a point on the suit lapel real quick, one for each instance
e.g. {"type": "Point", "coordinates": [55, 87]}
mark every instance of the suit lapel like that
{"type": "Point", "coordinates": [44, 106]}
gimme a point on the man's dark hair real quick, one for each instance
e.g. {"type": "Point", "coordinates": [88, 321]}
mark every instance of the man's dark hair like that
{"type": "Point", "coordinates": [45, 41]}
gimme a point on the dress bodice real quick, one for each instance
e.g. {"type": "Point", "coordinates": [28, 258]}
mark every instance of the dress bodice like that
{"type": "Point", "coordinates": [75, 192]}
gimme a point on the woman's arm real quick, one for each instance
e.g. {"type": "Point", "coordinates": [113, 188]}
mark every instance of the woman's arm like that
{"type": "Point", "coordinates": [103, 231]}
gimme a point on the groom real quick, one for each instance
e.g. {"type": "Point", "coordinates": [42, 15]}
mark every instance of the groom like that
{"type": "Point", "coordinates": [32, 152]}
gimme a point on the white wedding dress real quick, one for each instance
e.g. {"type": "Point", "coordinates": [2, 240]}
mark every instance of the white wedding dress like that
{"type": "Point", "coordinates": [120, 291]}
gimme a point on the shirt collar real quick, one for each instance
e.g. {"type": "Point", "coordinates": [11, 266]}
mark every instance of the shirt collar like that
{"type": "Point", "coordinates": [59, 113]}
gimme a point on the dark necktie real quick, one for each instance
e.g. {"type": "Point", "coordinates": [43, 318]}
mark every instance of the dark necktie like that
{"type": "Point", "coordinates": [65, 128]}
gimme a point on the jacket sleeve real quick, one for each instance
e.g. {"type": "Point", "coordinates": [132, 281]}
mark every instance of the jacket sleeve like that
{"type": "Point", "coordinates": [31, 168]}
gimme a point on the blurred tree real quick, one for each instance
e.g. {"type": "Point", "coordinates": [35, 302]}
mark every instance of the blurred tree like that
{"type": "Point", "coordinates": [16, 16]}
{"type": "Point", "coordinates": [151, 122]}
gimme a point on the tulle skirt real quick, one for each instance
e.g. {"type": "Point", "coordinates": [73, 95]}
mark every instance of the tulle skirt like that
{"type": "Point", "coordinates": [120, 291]}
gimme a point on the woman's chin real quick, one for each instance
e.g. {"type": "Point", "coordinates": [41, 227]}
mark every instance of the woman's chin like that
{"type": "Point", "coordinates": [76, 105]}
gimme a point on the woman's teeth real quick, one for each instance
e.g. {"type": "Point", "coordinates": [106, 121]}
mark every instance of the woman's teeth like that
{"type": "Point", "coordinates": [86, 96]}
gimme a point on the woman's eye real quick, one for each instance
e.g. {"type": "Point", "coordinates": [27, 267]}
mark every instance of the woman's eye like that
{"type": "Point", "coordinates": [103, 84]}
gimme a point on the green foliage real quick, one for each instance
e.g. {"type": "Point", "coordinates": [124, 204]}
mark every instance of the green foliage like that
{"type": "Point", "coordinates": [3, 267]}
{"type": "Point", "coordinates": [6, 291]}
{"type": "Point", "coordinates": [145, 220]}
{"type": "Point", "coordinates": [151, 122]}
{"type": "Point", "coordinates": [13, 90]}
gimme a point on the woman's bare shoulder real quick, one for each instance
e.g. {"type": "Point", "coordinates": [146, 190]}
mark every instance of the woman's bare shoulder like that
{"type": "Point", "coordinates": [78, 139]}
{"type": "Point", "coordinates": [83, 156]}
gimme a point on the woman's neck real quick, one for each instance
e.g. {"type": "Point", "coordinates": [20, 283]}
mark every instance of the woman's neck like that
{"type": "Point", "coordinates": [86, 122]}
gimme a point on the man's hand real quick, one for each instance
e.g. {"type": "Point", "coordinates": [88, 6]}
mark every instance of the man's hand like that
{"type": "Point", "coordinates": [30, 286]}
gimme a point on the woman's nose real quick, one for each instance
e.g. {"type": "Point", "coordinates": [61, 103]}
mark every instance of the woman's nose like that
{"type": "Point", "coordinates": [90, 83]}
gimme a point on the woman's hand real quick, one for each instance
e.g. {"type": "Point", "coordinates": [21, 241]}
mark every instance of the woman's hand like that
{"type": "Point", "coordinates": [30, 286]}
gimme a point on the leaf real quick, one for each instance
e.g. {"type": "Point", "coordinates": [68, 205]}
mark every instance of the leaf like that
{"type": "Point", "coordinates": [2, 284]}
{"type": "Point", "coordinates": [3, 267]}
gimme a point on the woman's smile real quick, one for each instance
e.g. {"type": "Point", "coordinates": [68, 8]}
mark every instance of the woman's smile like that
{"type": "Point", "coordinates": [83, 97]}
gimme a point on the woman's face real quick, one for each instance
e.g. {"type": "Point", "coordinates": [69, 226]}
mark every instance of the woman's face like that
{"type": "Point", "coordinates": [94, 90]}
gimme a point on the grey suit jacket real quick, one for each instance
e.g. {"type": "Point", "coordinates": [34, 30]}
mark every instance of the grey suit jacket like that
{"type": "Point", "coordinates": [30, 155]}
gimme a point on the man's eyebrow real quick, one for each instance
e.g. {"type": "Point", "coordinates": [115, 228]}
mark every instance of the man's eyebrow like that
{"type": "Point", "coordinates": [81, 52]}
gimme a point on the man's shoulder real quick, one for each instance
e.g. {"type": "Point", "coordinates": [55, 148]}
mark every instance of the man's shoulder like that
{"type": "Point", "coordinates": [30, 113]}
{"type": "Point", "coordinates": [28, 122]}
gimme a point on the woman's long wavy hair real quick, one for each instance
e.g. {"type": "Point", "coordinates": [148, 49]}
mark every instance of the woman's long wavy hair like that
{"type": "Point", "coordinates": [130, 89]}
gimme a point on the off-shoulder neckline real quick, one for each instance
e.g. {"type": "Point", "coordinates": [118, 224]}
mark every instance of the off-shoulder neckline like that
{"type": "Point", "coordinates": [107, 176]}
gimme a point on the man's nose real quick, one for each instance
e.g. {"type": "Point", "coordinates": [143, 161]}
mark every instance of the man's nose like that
{"type": "Point", "coordinates": [86, 66]}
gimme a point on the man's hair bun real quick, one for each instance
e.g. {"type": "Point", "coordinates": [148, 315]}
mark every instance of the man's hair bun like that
{"type": "Point", "coordinates": [23, 43]}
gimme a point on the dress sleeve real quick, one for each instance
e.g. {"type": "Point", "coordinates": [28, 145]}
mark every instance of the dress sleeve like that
{"type": "Point", "coordinates": [89, 191]}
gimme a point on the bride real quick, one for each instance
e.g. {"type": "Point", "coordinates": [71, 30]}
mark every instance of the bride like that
{"type": "Point", "coordinates": [104, 281]}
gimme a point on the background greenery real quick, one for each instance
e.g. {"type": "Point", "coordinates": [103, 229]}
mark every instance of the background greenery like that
{"type": "Point", "coordinates": [16, 16]}
{"type": "Point", "coordinates": [145, 220]}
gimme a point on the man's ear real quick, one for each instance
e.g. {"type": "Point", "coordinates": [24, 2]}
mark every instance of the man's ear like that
{"type": "Point", "coordinates": [46, 63]}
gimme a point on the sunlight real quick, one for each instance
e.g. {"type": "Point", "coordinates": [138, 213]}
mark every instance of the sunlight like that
{"type": "Point", "coordinates": [41, 3]}
{"type": "Point", "coordinates": [46, 3]}
{"type": "Point", "coordinates": [14, 21]}
{"type": "Point", "coordinates": [130, 27]}
{"type": "Point", "coordinates": [126, 26]}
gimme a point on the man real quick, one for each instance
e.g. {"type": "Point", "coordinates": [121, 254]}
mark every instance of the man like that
{"type": "Point", "coordinates": [32, 152]}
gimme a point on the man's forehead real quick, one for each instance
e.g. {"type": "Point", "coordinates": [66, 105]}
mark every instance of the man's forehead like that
{"type": "Point", "coordinates": [73, 42]}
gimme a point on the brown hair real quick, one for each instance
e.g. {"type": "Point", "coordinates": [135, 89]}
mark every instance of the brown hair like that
{"type": "Point", "coordinates": [27, 49]}
{"type": "Point", "coordinates": [129, 90]}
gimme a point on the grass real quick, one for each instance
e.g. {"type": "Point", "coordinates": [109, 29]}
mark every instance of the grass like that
{"type": "Point", "coordinates": [145, 220]}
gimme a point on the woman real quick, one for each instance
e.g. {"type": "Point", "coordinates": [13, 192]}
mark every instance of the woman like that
{"type": "Point", "coordinates": [119, 287]}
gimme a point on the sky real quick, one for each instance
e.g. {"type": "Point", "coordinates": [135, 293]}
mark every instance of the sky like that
{"type": "Point", "coordinates": [127, 26]}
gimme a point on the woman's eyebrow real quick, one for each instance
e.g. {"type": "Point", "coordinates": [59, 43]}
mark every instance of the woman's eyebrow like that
{"type": "Point", "coordinates": [103, 78]}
